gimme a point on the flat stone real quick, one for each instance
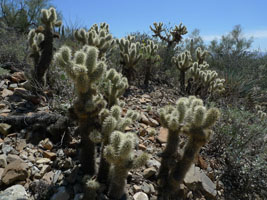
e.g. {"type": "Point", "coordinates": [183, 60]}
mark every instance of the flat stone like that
{"type": "Point", "coordinates": [163, 135]}
{"type": "Point", "coordinates": [46, 144]}
{"type": "Point", "coordinates": [11, 157]}
{"type": "Point", "coordinates": [15, 171]}
{"type": "Point", "coordinates": [15, 192]}
{"type": "Point", "coordinates": [149, 172]}
{"type": "Point", "coordinates": [43, 161]}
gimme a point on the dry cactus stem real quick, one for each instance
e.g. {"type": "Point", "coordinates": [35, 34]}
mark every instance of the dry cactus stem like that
{"type": "Point", "coordinates": [85, 70]}
{"type": "Point", "coordinates": [41, 44]}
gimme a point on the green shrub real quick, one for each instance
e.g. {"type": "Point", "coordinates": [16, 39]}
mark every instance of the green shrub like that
{"type": "Point", "coordinates": [240, 139]}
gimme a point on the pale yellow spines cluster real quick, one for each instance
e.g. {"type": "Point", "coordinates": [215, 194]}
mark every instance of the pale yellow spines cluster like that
{"type": "Point", "coordinates": [97, 36]}
{"type": "Point", "coordinates": [112, 120]}
{"type": "Point", "coordinates": [260, 112]}
{"type": "Point", "coordinates": [35, 40]}
{"type": "Point", "coordinates": [120, 151]}
{"type": "Point", "coordinates": [83, 67]}
{"type": "Point", "coordinates": [113, 86]}
{"type": "Point", "coordinates": [209, 78]}
{"type": "Point", "coordinates": [129, 51]}
{"type": "Point", "coordinates": [183, 61]}
{"type": "Point", "coordinates": [49, 18]}
{"type": "Point", "coordinates": [201, 55]}
{"type": "Point", "coordinates": [179, 30]}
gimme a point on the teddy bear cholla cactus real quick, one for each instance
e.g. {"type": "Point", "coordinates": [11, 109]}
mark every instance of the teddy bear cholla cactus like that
{"type": "Point", "coordinates": [174, 36]}
{"type": "Point", "coordinates": [113, 85]}
{"type": "Point", "coordinates": [41, 44]}
{"type": "Point", "coordinates": [190, 117]}
{"type": "Point", "coordinates": [130, 56]}
{"type": "Point", "coordinates": [111, 120]}
{"type": "Point", "coordinates": [149, 52]}
{"type": "Point", "coordinates": [121, 157]}
{"type": "Point", "coordinates": [183, 62]}
{"type": "Point", "coordinates": [97, 36]}
{"type": "Point", "coordinates": [207, 78]}
{"type": "Point", "coordinates": [85, 70]}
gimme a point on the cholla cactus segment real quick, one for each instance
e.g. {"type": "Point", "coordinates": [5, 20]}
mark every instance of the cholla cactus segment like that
{"type": "Point", "coordinates": [113, 86]}
{"type": "Point", "coordinates": [121, 157]}
{"type": "Point", "coordinates": [97, 36]}
{"type": "Point", "coordinates": [83, 68]}
{"type": "Point", "coordinates": [91, 188]}
{"type": "Point", "coordinates": [49, 18]}
{"type": "Point", "coordinates": [260, 112]}
{"type": "Point", "coordinates": [175, 34]}
{"type": "Point", "coordinates": [201, 55]}
{"type": "Point", "coordinates": [208, 78]}
{"type": "Point", "coordinates": [183, 61]}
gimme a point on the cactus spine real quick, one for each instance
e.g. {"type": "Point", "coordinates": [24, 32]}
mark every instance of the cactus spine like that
{"type": "Point", "coordinates": [130, 56]}
{"type": "Point", "coordinates": [190, 117]}
{"type": "Point", "coordinates": [97, 36]}
{"type": "Point", "coordinates": [41, 44]}
{"type": "Point", "coordinates": [85, 70]}
{"type": "Point", "coordinates": [120, 155]}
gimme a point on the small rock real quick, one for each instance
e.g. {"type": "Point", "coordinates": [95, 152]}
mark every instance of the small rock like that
{"type": "Point", "coordinates": [15, 192]}
{"type": "Point", "coordinates": [142, 147]}
{"type": "Point", "coordinates": [136, 188]}
{"type": "Point", "coordinates": [140, 196]}
{"type": "Point", "coordinates": [44, 169]}
{"type": "Point", "coordinates": [153, 163]}
{"type": "Point", "coordinates": [149, 172]}
{"type": "Point", "coordinates": [146, 188]}
{"type": "Point", "coordinates": [48, 177]}
{"type": "Point", "coordinates": [11, 157]}
{"type": "Point", "coordinates": [163, 135]}
{"type": "Point", "coordinates": [153, 122]}
{"type": "Point", "coordinates": [46, 144]}
{"type": "Point", "coordinates": [4, 128]}
{"type": "Point", "coordinates": [43, 161]}
{"type": "Point", "coordinates": [61, 194]}
{"type": "Point", "coordinates": [12, 86]}
{"type": "Point", "coordinates": [1, 172]}
{"type": "Point", "coordinates": [49, 155]}
{"type": "Point", "coordinates": [3, 161]}
{"type": "Point", "coordinates": [6, 93]}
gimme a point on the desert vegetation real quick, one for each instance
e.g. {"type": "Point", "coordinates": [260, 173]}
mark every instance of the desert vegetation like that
{"type": "Point", "coordinates": [86, 115]}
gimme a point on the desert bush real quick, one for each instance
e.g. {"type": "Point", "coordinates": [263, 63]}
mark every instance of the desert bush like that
{"type": "Point", "coordinates": [13, 47]}
{"type": "Point", "coordinates": [240, 140]}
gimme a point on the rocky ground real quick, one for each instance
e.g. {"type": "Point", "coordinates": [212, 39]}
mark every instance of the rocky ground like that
{"type": "Point", "coordinates": [35, 165]}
